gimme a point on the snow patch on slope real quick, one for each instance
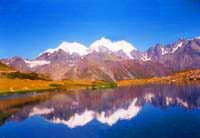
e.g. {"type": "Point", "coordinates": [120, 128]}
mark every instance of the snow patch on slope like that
{"type": "Point", "coordinates": [163, 51]}
{"type": "Point", "coordinates": [145, 57]}
{"type": "Point", "coordinates": [35, 63]}
{"type": "Point", "coordinates": [179, 45]}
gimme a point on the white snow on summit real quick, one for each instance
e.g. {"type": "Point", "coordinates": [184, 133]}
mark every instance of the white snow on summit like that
{"type": "Point", "coordinates": [98, 46]}
{"type": "Point", "coordinates": [69, 48]}
{"type": "Point", "coordinates": [112, 46]}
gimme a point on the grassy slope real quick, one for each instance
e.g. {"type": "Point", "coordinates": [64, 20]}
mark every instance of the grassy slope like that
{"type": "Point", "coordinates": [13, 85]}
{"type": "Point", "coordinates": [179, 77]}
{"type": "Point", "coordinates": [4, 68]}
{"type": "Point", "coordinates": [9, 86]}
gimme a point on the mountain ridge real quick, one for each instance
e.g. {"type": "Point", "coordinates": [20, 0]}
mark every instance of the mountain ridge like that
{"type": "Point", "coordinates": [111, 61]}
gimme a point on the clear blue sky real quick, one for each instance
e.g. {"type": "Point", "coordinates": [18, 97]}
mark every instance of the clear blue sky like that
{"type": "Point", "coordinates": [28, 27]}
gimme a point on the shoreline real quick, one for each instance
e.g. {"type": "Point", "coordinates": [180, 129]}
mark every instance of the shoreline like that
{"type": "Point", "coordinates": [58, 86]}
{"type": "Point", "coordinates": [22, 86]}
{"type": "Point", "coordinates": [123, 83]}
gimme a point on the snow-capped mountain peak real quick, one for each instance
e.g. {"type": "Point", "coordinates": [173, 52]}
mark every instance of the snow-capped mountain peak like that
{"type": "Point", "coordinates": [69, 48]}
{"type": "Point", "coordinates": [101, 45]}
{"type": "Point", "coordinates": [124, 46]}
{"type": "Point", "coordinates": [117, 46]}
{"type": "Point", "coordinates": [74, 48]}
{"type": "Point", "coordinates": [103, 42]}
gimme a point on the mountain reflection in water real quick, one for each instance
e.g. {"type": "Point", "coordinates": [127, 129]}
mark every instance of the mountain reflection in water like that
{"type": "Point", "coordinates": [78, 108]}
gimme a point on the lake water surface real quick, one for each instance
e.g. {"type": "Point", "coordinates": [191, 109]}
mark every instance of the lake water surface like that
{"type": "Point", "coordinates": [151, 111]}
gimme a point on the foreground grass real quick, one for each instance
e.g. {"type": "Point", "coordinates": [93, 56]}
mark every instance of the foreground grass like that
{"type": "Point", "coordinates": [12, 86]}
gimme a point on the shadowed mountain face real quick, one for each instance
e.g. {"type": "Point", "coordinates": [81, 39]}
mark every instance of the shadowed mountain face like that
{"type": "Point", "coordinates": [106, 106]}
{"type": "Point", "coordinates": [181, 55]}
{"type": "Point", "coordinates": [111, 61]}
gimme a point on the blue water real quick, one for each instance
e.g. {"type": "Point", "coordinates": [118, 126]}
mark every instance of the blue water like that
{"type": "Point", "coordinates": [151, 114]}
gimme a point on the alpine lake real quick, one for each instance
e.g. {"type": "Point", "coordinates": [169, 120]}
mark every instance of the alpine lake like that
{"type": "Point", "coordinates": [146, 111]}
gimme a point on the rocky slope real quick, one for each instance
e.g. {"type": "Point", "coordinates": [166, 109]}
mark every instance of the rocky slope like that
{"type": "Point", "coordinates": [181, 55]}
{"type": "Point", "coordinates": [104, 68]}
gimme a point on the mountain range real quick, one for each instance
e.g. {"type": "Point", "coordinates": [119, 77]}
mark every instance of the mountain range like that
{"type": "Point", "coordinates": [111, 61]}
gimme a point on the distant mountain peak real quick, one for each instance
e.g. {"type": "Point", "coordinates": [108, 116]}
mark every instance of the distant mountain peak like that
{"type": "Point", "coordinates": [106, 44]}
{"type": "Point", "coordinates": [70, 48]}
{"type": "Point", "coordinates": [104, 39]}
{"type": "Point", "coordinates": [102, 42]}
